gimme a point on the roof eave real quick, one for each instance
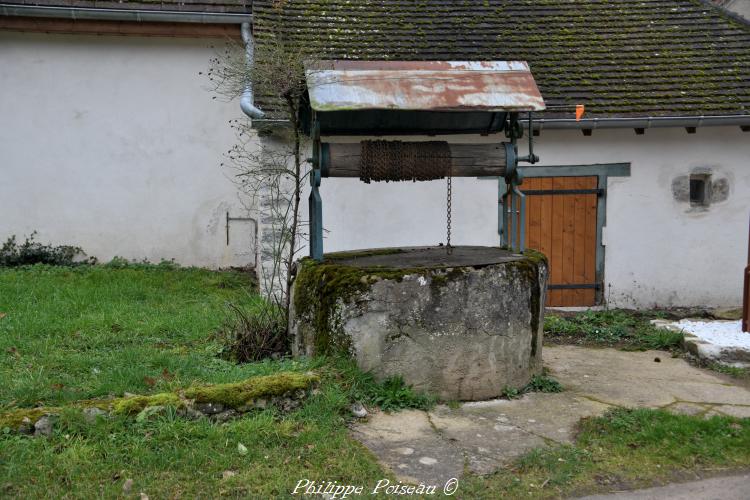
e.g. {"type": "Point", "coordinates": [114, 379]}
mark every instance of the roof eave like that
{"type": "Point", "coordinates": [644, 122]}
{"type": "Point", "coordinates": [602, 123]}
{"type": "Point", "coordinates": [134, 15]}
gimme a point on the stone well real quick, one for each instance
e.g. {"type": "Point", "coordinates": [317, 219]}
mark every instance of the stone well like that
{"type": "Point", "coordinates": [461, 326]}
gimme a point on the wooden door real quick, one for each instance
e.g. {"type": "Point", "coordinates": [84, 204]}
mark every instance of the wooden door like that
{"type": "Point", "coordinates": [561, 223]}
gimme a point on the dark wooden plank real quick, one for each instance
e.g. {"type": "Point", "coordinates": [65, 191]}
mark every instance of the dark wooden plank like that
{"type": "Point", "coordinates": [556, 253]}
{"type": "Point", "coordinates": [579, 243]}
{"type": "Point", "coordinates": [533, 216]}
{"type": "Point", "coordinates": [545, 203]}
{"type": "Point", "coordinates": [568, 243]}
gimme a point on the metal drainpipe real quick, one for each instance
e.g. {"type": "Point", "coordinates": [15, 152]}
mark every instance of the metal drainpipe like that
{"type": "Point", "coordinates": [246, 101]}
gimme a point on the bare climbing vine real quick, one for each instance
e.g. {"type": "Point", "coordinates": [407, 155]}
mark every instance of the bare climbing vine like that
{"type": "Point", "coordinates": [267, 162]}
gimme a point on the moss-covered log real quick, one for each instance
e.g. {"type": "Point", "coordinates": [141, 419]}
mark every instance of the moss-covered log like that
{"type": "Point", "coordinates": [244, 396]}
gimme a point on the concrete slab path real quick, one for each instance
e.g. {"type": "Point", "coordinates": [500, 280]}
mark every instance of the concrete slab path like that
{"type": "Point", "coordinates": [432, 447]}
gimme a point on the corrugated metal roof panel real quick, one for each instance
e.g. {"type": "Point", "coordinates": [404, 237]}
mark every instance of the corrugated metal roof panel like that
{"type": "Point", "coordinates": [423, 86]}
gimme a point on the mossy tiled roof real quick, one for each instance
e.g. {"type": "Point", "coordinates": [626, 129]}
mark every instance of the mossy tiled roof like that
{"type": "Point", "coordinates": [619, 57]}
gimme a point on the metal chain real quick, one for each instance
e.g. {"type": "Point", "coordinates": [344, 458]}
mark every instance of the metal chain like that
{"type": "Point", "coordinates": [449, 195]}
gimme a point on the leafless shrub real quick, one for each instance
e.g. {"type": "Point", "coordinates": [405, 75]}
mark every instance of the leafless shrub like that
{"type": "Point", "coordinates": [256, 335]}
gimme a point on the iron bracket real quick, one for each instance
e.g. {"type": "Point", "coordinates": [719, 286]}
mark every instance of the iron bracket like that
{"type": "Point", "coordinates": [240, 219]}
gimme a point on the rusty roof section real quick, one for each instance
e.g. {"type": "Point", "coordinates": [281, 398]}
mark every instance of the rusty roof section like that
{"type": "Point", "coordinates": [423, 86]}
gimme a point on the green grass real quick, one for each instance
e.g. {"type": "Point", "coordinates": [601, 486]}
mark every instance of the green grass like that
{"type": "Point", "coordinates": [623, 449]}
{"type": "Point", "coordinates": [543, 383]}
{"type": "Point", "coordinates": [733, 371]}
{"type": "Point", "coordinates": [90, 331]}
{"type": "Point", "coordinates": [392, 394]}
{"type": "Point", "coordinates": [93, 331]}
{"type": "Point", "coordinates": [170, 457]}
{"type": "Point", "coordinates": [538, 383]}
{"type": "Point", "coordinates": [616, 328]}
{"type": "Point", "coordinates": [73, 333]}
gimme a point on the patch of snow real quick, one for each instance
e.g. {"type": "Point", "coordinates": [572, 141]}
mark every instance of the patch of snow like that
{"type": "Point", "coordinates": [720, 333]}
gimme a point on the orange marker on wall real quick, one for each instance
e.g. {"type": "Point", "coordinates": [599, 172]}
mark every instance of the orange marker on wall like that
{"type": "Point", "coordinates": [580, 109]}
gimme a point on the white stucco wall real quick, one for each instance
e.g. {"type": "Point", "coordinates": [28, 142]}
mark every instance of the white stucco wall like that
{"type": "Point", "coordinates": [659, 252]}
{"type": "Point", "coordinates": [114, 144]}
{"type": "Point", "coordinates": [741, 7]}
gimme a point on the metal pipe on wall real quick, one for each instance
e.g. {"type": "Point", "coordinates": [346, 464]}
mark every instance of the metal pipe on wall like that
{"type": "Point", "coordinates": [247, 101]}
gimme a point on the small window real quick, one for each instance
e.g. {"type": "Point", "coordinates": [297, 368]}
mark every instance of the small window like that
{"type": "Point", "coordinates": [700, 190]}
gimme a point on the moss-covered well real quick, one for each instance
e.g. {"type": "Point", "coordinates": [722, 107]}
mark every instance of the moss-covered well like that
{"type": "Point", "coordinates": [321, 288]}
{"type": "Point", "coordinates": [436, 325]}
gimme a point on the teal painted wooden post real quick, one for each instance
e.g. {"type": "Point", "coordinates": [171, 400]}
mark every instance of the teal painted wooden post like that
{"type": "Point", "coordinates": [501, 211]}
{"type": "Point", "coordinates": [513, 227]}
{"type": "Point", "coordinates": [315, 201]}
{"type": "Point", "coordinates": [521, 243]}
{"type": "Point", "coordinates": [513, 221]}
{"type": "Point", "coordinates": [316, 217]}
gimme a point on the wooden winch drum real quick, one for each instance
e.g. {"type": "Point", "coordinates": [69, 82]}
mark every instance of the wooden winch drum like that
{"type": "Point", "coordinates": [467, 160]}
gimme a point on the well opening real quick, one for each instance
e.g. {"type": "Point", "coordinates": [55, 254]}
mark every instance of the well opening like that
{"type": "Point", "coordinates": [428, 257]}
